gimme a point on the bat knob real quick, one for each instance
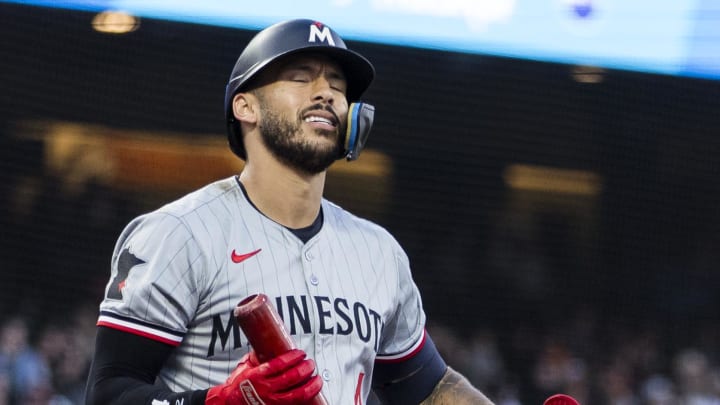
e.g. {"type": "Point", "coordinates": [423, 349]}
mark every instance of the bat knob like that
{"type": "Point", "coordinates": [561, 399]}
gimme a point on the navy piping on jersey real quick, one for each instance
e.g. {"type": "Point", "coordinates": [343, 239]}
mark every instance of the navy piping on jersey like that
{"type": "Point", "coordinates": [304, 234]}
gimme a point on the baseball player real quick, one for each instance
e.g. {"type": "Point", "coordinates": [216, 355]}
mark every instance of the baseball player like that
{"type": "Point", "coordinates": [341, 284]}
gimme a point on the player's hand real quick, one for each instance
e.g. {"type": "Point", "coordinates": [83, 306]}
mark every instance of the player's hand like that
{"type": "Point", "coordinates": [286, 379]}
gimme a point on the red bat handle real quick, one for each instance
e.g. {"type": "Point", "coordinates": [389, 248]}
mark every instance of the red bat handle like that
{"type": "Point", "coordinates": [265, 331]}
{"type": "Point", "coordinates": [263, 327]}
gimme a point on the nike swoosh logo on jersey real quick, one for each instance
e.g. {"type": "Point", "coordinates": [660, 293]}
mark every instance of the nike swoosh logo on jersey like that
{"type": "Point", "coordinates": [236, 258]}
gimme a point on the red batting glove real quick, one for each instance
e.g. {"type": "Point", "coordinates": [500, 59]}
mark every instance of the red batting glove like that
{"type": "Point", "coordinates": [286, 379]}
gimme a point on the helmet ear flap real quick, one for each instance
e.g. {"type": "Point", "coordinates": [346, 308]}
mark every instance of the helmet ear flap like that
{"type": "Point", "coordinates": [235, 139]}
{"type": "Point", "coordinates": [360, 120]}
{"type": "Point", "coordinates": [234, 134]}
{"type": "Point", "coordinates": [242, 109]}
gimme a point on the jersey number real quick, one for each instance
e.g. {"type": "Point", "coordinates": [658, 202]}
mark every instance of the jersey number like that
{"type": "Point", "coordinates": [358, 389]}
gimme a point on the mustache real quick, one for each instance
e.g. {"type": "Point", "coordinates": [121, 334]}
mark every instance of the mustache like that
{"type": "Point", "coordinates": [321, 107]}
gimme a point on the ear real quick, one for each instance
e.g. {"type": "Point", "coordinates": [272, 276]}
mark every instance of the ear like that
{"type": "Point", "coordinates": [245, 108]}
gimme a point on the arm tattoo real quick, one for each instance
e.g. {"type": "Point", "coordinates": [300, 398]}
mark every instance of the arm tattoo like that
{"type": "Point", "coordinates": [454, 389]}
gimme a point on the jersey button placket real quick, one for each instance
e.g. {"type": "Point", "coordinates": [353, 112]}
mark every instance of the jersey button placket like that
{"type": "Point", "coordinates": [309, 258]}
{"type": "Point", "coordinates": [310, 266]}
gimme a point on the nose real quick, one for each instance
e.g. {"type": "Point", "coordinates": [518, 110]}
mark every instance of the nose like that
{"type": "Point", "coordinates": [322, 91]}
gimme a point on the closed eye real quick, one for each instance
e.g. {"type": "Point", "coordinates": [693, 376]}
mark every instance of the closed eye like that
{"type": "Point", "coordinates": [300, 77]}
{"type": "Point", "coordinates": [337, 81]}
{"type": "Point", "coordinates": [302, 72]}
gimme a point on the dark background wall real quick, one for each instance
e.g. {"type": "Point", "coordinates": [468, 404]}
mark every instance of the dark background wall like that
{"type": "Point", "coordinates": [643, 251]}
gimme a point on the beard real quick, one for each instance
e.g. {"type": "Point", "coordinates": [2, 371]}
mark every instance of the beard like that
{"type": "Point", "coordinates": [283, 138]}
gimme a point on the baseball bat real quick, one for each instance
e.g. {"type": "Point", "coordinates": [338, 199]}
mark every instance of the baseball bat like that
{"type": "Point", "coordinates": [561, 399]}
{"type": "Point", "coordinates": [266, 332]}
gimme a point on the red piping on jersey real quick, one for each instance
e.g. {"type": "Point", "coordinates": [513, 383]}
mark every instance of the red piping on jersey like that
{"type": "Point", "coordinates": [415, 351]}
{"type": "Point", "coordinates": [139, 333]}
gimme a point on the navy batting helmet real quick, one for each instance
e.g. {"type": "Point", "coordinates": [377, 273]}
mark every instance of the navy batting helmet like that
{"type": "Point", "coordinates": [286, 38]}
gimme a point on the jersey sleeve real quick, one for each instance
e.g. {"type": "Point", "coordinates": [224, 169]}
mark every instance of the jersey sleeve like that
{"type": "Point", "coordinates": [155, 274]}
{"type": "Point", "coordinates": [403, 333]}
{"type": "Point", "coordinates": [408, 365]}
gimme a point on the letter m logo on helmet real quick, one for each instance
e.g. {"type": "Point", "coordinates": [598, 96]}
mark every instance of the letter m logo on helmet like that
{"type": "Point", "coordinates": [321, 32]}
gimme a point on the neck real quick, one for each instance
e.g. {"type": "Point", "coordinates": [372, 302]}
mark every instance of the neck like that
{"type": "Point", "coordinates": [283, 194]}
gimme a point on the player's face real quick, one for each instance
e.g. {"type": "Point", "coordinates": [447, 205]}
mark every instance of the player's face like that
{"type": "Point", "coordinates": [303, 112]}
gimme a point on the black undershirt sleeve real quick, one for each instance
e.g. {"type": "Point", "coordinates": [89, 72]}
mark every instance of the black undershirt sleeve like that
{"type": "Point", "coordinates": [124, 369]}
{"type": "Point", "coordinates": [411, 380]}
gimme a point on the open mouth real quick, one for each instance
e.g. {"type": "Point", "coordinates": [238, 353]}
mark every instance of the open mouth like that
{"type": "Point", "coordinates": [321, 117]}
{"type": "Point", "coordinates": [321, 120]}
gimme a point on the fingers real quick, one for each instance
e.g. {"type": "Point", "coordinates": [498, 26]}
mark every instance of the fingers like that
{"type": "Point", "coordinates": [295, 375]}
{"type": "Point", "coordinates": [286, 379]}
{"type": "Point", "coordinates": [282, 362]}
{"type": "Point", "coordinates": [239, 370]}
{"type": "Point", "coordinates": [301, 394]}
{"type": "Point", "coordinates": [291, 377]}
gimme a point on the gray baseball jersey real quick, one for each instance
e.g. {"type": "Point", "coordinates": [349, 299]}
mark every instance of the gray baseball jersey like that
{"type": "Point", "coordinates": [346, 296]}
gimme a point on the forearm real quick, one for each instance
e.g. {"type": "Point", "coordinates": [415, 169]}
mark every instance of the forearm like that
{"type": "Point", "coordinates": [124, 369]}
{"type": "Point", "coordinates": [125, 390]}
{"type": "Point", "coordinates": [454, 389]}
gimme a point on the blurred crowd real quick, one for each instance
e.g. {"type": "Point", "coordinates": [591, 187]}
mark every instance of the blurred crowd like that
{"type": "Point", "coordinates": [620, 363]}
{"type": "Point", "coordinates": [599, 364]}
{"type": "Point", "coordinates": [47, 366]}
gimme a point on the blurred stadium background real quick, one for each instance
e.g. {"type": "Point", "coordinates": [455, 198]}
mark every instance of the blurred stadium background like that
{"type": "Point", "coordinates": [561, 219]}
